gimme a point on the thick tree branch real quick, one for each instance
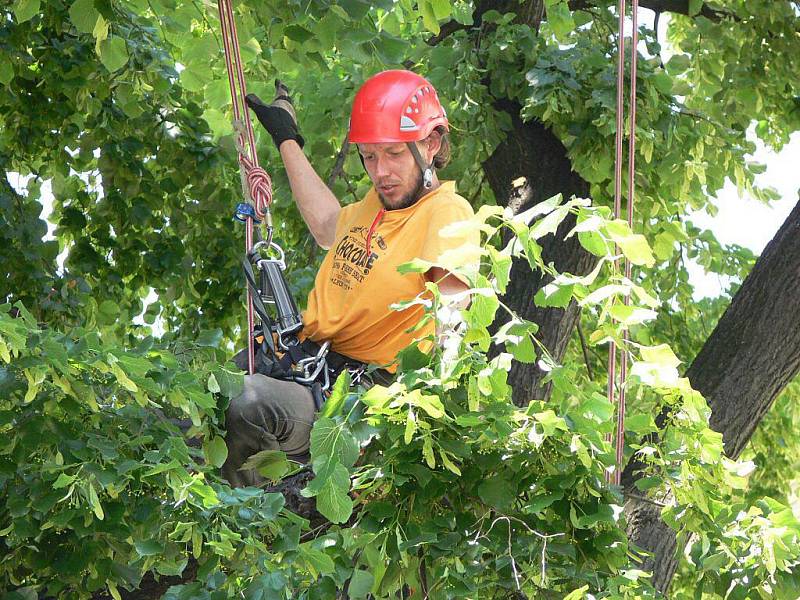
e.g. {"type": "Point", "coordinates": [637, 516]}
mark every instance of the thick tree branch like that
{"type": "Point", "coordinates": [529, 166]}
{"type": "Point", "coordinates": [750, 357]}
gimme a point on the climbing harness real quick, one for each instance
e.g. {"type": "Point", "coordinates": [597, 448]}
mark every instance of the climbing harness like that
{"type": "Point", "coordinates": [616, 384]}
{"type": "Point", "coordinates": [274, 345]}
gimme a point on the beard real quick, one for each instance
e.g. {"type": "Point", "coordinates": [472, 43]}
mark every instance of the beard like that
{"type": "Point", "coordinates": [408, 199]}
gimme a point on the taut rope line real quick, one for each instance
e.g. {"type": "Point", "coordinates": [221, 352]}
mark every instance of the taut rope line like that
{"type": "Point", "coordinates": [613, 381]}
{"type": "Point", "coordinates": [256, 183]}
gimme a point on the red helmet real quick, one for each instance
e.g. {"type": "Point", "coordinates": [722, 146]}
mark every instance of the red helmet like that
{"type": "Point", "coordinates": [395, 106]}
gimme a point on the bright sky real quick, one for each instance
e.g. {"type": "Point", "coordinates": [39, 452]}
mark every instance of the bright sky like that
{"type": "Point", "coordinates": [741, 220]}
{"type": "Point", "coordinates": [748, 222]}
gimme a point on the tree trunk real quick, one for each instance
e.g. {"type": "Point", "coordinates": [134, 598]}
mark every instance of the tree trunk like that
{"type": "Point", "coordinates": [530, 166]}
{"type": "Point", "coordinates": [752, 354]}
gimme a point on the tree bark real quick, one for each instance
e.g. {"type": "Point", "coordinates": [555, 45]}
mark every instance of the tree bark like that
{"type": "Point", "coordinates": [529, 166]}
{"type": "Point", "coordinates": [750, 357]}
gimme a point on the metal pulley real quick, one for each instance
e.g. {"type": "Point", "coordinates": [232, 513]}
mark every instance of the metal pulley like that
{"type": "Point", "coordinates": [272, 289]}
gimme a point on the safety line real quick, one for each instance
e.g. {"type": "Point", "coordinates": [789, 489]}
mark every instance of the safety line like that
{"type": "Point", "coordinates": [256, 183]}
{"type": "Point", "coordinates": [615, 384]}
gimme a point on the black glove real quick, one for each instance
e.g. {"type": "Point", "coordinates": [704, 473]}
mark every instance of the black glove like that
{"type": "Point", "coordinates": [277, 118]}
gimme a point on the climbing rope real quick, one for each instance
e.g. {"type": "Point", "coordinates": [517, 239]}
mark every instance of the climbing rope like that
{"type": "Point", "coordinates": [256, 183]}
{"type": "Point", "coordinates": [618, 383]}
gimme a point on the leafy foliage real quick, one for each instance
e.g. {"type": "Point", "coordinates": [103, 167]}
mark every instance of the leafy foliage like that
{"type": "Point", "coordinates": [121, 109]}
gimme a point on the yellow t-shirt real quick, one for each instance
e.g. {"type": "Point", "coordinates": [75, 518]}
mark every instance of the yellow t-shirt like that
{"type": "Point", "coordinates": [349, 304]}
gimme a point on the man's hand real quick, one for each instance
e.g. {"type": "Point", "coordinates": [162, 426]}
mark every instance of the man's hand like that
{"type": "Point", "coordinates": [278, 118]}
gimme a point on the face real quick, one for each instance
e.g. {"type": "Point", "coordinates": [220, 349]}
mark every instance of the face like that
{"type": "Point", "coordinates": [395, 173]}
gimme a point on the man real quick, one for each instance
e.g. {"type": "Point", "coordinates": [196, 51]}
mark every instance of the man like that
{"type": "Point", "coordinates": [400, 129]}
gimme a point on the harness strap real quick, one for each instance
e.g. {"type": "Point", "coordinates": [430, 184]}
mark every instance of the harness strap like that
{"type": "Point", "coordinates": [427, 169]}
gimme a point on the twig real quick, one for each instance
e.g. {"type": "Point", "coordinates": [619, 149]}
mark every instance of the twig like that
{"type": "Point", "coordinates": [339, 164]}
{"type": "Point", "coordinates": [541, 536]}
{"type": "Point", "coordinates": [446, 30]}
{"type": "Point", "coordinates": [585, 350]}
{"type": "Point", "coordinates": [208, 24]}
{"type": "Point", "coordinates": [350, 188]}
{"type": "Point", "coordinates": [646, 499]}
{"type": "Point", "coordinates": [423, 575]}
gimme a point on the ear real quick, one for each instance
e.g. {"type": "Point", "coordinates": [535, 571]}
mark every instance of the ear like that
{"type": "Point", "coordinates": [433, 143]}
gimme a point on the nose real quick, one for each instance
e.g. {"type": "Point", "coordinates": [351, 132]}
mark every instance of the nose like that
{"type": "Point", "coordinates": [381, 167]}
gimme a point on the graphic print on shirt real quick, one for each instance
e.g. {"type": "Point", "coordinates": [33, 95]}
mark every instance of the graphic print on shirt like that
{"type": "Point", "coordinates": [350, 261]}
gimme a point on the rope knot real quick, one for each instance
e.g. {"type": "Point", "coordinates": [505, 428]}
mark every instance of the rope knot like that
{"type": "Point", "coordinates": [259, 185]}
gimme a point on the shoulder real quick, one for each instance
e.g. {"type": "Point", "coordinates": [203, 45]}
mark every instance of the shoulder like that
{"type": "Point", "coordinates": [448, 203]}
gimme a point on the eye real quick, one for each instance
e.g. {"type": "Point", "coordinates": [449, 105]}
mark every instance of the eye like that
{"type": "Point", "coordinates": [368, 157]}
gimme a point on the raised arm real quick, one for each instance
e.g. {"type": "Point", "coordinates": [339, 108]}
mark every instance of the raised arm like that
{"type": "Point", "coordinates": [318, 206]}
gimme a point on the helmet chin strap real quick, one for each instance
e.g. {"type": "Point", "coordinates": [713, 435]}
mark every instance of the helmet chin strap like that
{"type": "Point", "coordinates": [427, 169]}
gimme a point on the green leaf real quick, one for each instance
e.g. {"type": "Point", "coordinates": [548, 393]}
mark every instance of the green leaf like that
{"type": "Point", "coordinates": [200, 51]}
{"type": "Point", "coordinates": [100, 32]}
{"type": "Point", "coordinates": [497, 492]}
{"type": "Point", "coordinates": [661, 355]}
{"type": "Point", "coordinates": [332, 499]}
{"type": "Point", "coordinates": [218, 122]}
{"type": "Point", "coordinates": [298, 33]}
{"type": "Point", "coordinates": [414, 266]}
{"type": "Point", "coordinates": [333, 405]}
{"type": "Point", "coordinates": [148, 547]}
{"type": "Point", "coordinates": [25, 10]}
{"type": "Point", "coordinates": [695, 6]}
{"type": "Point", "coordinates": [428, 402]}
{"type": "Point", "coordinates": [560, 19]}
{"type": "Point", "coordinates": [411, 428]}
{"type": "Point", "coordinates": [525, 351]}
{"type": "Point", "coordinates": [216, 451]}
{"type": "Point", "coordinates": [123, 379]}
{"type": "Point", "coordinates": [441, 8]}
{"type": "Point", "coordinates": [271, 464]}
{"type": "Point", "coordinates": [63, 480]}
{"type": "Point", "coordinates": [195, 78]}
{"type": "Point", "coordinates": [333, 442]}
{"type": "Point", "coordinates": [593, 242]}
{"type": "Point", "coordinates": [633, 245]}
{"type": "Point", "coordinates": [480, 313]}
{"type": "Point", "coordinates": [317, 559]}
{"type": "Point", "coordinates": [360, 584]}
{"type": "Point", "coordinates": [428, 16]}
{"type": "Point", "coordinates": [598, 407]}
{"type": "Point", "coordinates": [114, 53]}
{"type": "Point", "coordinates": [209, 337]}
{"type": "Point", "coordinates": [646, 483]}
{"type": "Point", "coordinates": [553, 295]}
{"type": "Point", "coordinates": [6, 70]}
{"type": "Point", "coordinates": [94, 502]}
{"type": "Point", "coordinates": [663, 82]}
{"type": "Point", "coordinates": [577, 594]}
{"type": "Point", "coordinates": [83, 15]}
{"type": "Point", "coordinates": [501, 267]}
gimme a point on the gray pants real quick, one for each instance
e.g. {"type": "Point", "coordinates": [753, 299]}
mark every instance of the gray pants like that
{"type": "Point", "coordinates": [270, 414]}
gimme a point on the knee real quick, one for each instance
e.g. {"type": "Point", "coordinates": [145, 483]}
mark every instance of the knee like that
{"type": "Point", "coordinates": [241, 405]}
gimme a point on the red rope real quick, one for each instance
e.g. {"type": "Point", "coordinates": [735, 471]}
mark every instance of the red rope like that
{"type": "Point", "coordinates": [257, 181]}
{"type": "Point", "coordinates": [372, 229]}
{"type": "Point", "coordinates": [613, 382]}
